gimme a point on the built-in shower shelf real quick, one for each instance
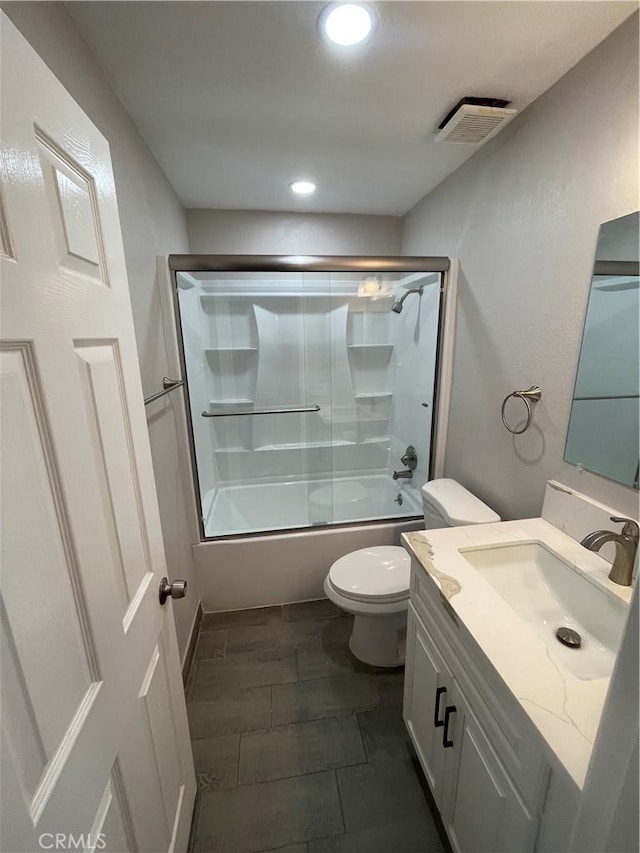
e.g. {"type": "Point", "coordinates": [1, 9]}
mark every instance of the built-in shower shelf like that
{"type": "Point", "coordinates": [306, 445]}
{"type": "Point", "coordinates": [370, 346]}
{"type": "Point", "coordinates": [237, 401]}
{"type": "Point", "coordinates": [376, 439]}
{"type": "Point", "coordinates": [373, 395]}
{"type": "Point", "coordinates": [352, 417]}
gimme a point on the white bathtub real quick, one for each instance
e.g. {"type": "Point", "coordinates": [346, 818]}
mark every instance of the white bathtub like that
{"type": "Point", "coordinates": [263, 507]}
{"type": "Point", "coordinates": [256, 571]}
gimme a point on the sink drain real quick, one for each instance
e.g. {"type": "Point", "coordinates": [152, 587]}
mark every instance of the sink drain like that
{"type": "Point", "coordinates": [569, 637]}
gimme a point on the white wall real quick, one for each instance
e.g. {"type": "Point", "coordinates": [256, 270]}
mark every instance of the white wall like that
{"type": "Point", "coordinates": [240, 232]}
{"type": "Point", "coordinates": [522, 216]}
{"type": "Point", "coordinates": [153, 223]}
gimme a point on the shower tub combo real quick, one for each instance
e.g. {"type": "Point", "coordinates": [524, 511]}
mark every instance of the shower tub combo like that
{"type": "Point", "coordinates": [314, 410]}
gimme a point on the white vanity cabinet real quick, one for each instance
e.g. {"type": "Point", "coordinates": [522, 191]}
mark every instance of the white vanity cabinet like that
{"type": "Point", "coordinates": [485, 812]}
{"type": "Point", "coordinates": [426, 684]}
{"type": "Point", "coordinates": [487, 774]}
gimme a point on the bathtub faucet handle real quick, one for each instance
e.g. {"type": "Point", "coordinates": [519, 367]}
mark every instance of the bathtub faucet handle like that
{"type": "Point", "coordinates": [410, 457]}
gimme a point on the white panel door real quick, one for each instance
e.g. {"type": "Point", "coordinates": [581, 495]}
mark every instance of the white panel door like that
{"type": "Point", "coordinates": [94, 730]}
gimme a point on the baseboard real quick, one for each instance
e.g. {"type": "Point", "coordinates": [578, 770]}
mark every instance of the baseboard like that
{"type": "Point", "coordinates": [191, 645]}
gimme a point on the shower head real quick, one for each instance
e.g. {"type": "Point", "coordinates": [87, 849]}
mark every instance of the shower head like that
{"type": "Point", "coordinates": [397, 305]}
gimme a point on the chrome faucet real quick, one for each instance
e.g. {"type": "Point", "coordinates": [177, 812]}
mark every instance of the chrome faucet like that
{"type": "Point", "coordinates": [410, 459]}
{"type": "Point", "coordinates": [626, 547]}
{"type": "Point", "coordinates": [402, 475]}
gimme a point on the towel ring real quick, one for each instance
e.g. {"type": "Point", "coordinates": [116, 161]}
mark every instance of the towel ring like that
{"type": "Point", "coordinates": [531, 395]}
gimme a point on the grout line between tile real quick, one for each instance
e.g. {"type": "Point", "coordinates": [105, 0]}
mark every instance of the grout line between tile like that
{"type": "Point", "coordinates": [241, 734]}
{"type": "Point", "coordinates": [344, 823]}
{"type": "Point", "coordinates": [298, 775]}
{"type": "Point", "coordinates": [364, 745]}
{"type": "Point", "coordinates": [226, 642]}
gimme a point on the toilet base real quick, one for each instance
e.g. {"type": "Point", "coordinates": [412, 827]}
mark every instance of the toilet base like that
{"type": "Point", "coordinates": [379, 630]}
{"type": "Point", "coordinates": [379, 640]}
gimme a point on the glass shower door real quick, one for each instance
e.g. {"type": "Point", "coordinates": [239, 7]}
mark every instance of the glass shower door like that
{"type": "Point", "coordinates": [257, 365]}
{"type": "Point", "coordinates": [306, 389]}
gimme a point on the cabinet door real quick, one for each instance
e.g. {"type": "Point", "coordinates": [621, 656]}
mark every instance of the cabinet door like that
{"type": "Point", "coordinates": [483, 813]}
{"type": "Point", "coordinates": [427, 682]}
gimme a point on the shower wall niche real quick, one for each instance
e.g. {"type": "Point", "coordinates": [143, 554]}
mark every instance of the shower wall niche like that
{"type": "Point", "coordinates": [303, 389]}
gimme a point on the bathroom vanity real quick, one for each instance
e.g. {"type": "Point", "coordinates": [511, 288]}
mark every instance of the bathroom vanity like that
{"type": "Point", "coordinates": [502, 714]}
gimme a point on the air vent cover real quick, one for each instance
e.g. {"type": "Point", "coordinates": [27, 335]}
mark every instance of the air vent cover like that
{"type": "Point", "coordinates": [474, 120]}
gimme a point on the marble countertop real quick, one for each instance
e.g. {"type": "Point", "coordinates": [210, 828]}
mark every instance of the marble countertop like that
{"type": "Point", "coordinates": [565, 709]}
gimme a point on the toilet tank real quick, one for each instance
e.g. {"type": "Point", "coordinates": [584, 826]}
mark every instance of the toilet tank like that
{"type": "Point", "coordinates": [448, 504]}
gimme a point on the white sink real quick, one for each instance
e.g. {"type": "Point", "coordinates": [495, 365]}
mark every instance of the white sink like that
{"type": "Point", "coordinates": [549, 593]}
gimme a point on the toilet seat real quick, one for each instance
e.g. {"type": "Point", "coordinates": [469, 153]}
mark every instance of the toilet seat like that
{"type": "Point", "coordinates": [379, 574]}
{"type": "Point", "coordinates": [373, 583]}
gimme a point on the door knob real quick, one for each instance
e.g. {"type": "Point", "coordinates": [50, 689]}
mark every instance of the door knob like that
{"type": "Point", "coordinates": [177, 589]}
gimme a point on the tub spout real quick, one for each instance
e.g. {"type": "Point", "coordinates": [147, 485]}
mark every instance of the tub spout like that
{"type": "Point", "coordinates": [402, 475]}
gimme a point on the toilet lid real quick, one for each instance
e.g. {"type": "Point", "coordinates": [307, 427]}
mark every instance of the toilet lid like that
{"type": "Point", "coordinates": [381, 573]}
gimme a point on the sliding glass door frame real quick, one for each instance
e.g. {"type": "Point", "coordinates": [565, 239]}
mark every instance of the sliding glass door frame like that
{"type": "Point", "coordinates": [303, 264]}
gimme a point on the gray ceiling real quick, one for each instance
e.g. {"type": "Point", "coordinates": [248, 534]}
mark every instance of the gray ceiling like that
{"type": "Point", "coordinates": [236, 99]}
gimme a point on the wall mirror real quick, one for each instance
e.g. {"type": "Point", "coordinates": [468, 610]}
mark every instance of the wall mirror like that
{"type": "Point", "coordinates": [603, 428]}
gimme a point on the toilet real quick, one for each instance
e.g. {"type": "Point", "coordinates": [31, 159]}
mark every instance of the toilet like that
{"type": "Point", "coordinates": [373, 583]}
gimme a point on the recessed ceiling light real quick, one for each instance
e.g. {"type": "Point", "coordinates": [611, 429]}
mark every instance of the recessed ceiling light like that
{"type": "Point", "coordinates": [369, 286]}
{"type": "Point", "coordinates": [346, 24]}
{"type": "Point", "coordinates": [302, 187]}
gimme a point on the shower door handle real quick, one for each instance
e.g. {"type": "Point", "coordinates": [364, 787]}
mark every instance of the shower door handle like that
{"type": "Point", "coordinates": [237, 413]}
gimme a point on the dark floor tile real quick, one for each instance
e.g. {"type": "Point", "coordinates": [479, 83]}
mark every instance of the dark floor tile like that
{"type": "Point", "coordinates": [228, 618]}
{"type": "Point", "coordinates": [322, 608]}
{"type": "Point", "coordinates": [373, 795]}
{"type": "Point", "coordinates": [274, 635]}
{"type": "Point", "coordinates": [384, 734]}
{"type": "Point", "coordinates": [213, 678]}
{"type": "Point", "coordinates": [216, 761]}
{"type": "Point", "coordinates": [300, 748]}
{"type": "Point", "coordinates": [417, 835]}
{"type": "Point", "coordinates": [317, 659]}
{"type": "Point", "coordinates": [391, 686]}
{"type": "Point", "coordinates": [211, 644]}
{"type": "Point", "coordinates": [326, 697]}
{"type": "Point", "coordinates": [336, 630]}
{"type": "Point", "coordinates": [268, 815]}
{"type": "Point", "coordinates": [290, 848]}
{"type": "Point", "coordinates": [234, 711]}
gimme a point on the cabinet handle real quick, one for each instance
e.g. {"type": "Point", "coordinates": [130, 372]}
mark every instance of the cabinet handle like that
{"type": "Point", "coordinates": [450, 709]}
{"type": "Point", "coordinates": [436, 712]}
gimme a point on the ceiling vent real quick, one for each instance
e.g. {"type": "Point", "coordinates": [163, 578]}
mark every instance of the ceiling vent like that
{"type": "Point", "coordinates": [474, 120]}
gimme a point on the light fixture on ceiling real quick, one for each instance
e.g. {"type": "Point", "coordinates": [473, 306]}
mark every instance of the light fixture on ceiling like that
{"type": "Point", "coordinates": [346, 24]}
{"type": "Point", "coordinates": [302, 187]}
{"type": "Point", "coordinates": [373, 288]}
{"type": "Point", "coordinates": [369, 286]}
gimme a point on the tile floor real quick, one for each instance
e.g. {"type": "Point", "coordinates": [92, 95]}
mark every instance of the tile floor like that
{"type": "Point", "coordinates": [298, 747]}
